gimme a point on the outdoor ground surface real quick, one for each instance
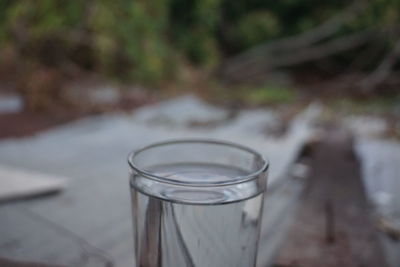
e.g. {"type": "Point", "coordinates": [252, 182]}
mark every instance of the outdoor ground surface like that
{"type": "Point", "coordinates": [89, 223]}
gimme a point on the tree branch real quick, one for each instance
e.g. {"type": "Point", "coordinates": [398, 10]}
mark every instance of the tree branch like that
{"type": "Point", "coordinates": [383, 70]}
{"type": "Point", "coordinates": [263, 64]}
{"type": "Point", "coordinates": [312, 36]}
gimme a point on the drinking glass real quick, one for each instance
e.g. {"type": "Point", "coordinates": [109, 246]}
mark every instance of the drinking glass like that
{"type": "Point", "coordinates": [196, 203]}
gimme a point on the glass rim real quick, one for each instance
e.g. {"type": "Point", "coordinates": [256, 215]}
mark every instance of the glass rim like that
{"type": "Point", "coordinates": [235, 179]}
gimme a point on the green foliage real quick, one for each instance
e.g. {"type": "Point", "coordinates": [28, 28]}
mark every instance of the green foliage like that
{"type": "Point", "coordinates": [194, 26]}
{"type": "Point", "coordinates": [143, 41]}
{"type": "Point", "coordinates": [270, 93]}
{"type": "Point", "coordinates": [42, 18]}
{"type": "Point", "coordinates": [256, 27]}
{"type": "Point", "coordinates": [146, 41]}
{"type": "Point", "coordinates": [376, 105]}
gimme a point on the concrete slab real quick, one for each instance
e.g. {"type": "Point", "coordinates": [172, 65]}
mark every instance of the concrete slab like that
{"type": "Point", "coordinates": [18, 183]}
{"type": "Point", "coordinates": [92, 154]}
{"type": "Point", "coordinates": [10, 103]}
{"type": "Point", "coordinates": [179, 112]}
{"type": "Point", "coordinates": [380, 168]}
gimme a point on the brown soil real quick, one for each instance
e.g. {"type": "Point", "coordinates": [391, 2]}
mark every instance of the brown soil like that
{"type": "Point", "coordinates": [26, 123]}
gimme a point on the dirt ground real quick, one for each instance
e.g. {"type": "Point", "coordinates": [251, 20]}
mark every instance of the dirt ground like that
{"type": "Point", "coordinates": [27, 123]}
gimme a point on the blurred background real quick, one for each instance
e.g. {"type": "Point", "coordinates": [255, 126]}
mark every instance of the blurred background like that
{"type": "Point", "coordinates": [97, 75]}
{"type": "Point", "coordinates": [241, 52]}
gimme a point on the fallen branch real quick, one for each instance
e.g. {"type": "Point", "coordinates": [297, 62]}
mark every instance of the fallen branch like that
{"type": "Point", "coordinates": [264, 64]}
{"type": "Point", "coordinates": [382, 71]}
{"type": "Point", "coordinates": [389, 228]}
{"type": "Point", "coordinates": [351, 82]}
{"type": "Point", "coordinates": [366, 57]}
{"type": "Point", "coordinates": [310, 37]}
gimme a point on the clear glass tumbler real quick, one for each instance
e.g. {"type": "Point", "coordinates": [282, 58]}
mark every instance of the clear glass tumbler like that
{"type": "Point", "coordinates": [196, 203]}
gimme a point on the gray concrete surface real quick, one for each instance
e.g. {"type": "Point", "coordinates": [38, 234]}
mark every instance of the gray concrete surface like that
{"type": "Point", "coordinates": [88, 224]}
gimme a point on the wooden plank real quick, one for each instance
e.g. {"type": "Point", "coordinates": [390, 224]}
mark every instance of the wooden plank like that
{"type": "Point", "coordinates": [333, 225]}
{"type": "Point", "coordinates": [279, 208]}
